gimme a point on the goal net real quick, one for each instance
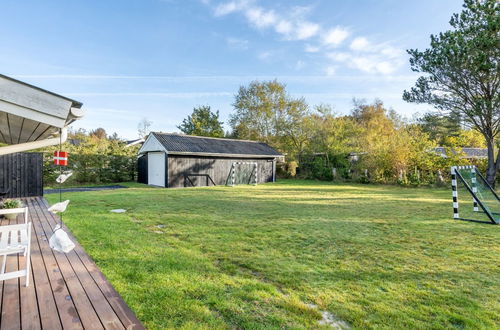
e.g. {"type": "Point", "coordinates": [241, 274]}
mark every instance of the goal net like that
{"type": "Point", "coordinates": [243, 173]}
{"type": "Point", "coordinates": [474, 196]}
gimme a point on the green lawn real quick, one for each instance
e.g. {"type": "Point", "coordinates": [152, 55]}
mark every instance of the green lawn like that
{"type": "Point", "coordinates": [260, 256]}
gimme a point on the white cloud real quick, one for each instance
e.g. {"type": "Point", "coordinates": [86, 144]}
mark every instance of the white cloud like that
{"type": "Point", "coordinates": [407, 79]}
{"type": "Point", "coordinates": [182, 95]}
{"type": "Point", "coordinates": [392, 52]}
{"type": "Point", "coordinates": [372, 64]}
{"type": "Point", "coordinates": [360, 44]}
{"type": "Point", "coordinates": [260, 18]}
{"type": "Point", "coordinates": [331, 70]}
{"type": "Point", "coordinates": [265, 55]}
{"type": "Point", "coordinates": [306, 30]}
{"type": "Point", "coordinates": [236, 43]}
{"type": "Point", "coordinates": [110, 110]}
{"type": "Point", "coordinates": [335, 36]}
{"type": "Point", "coordinates": [368, 63]}
{"type": "Point", "coordinates": [385, 67]}
{"type": "Point", "coordinates": [228, 8]}
{"type": "Point", "coordinates": [370, 57]}
{"type": "Point", "coordinates": [284, 27]}
{"type": "Point", "coordinates": [300, 65]}
{"type": "Point", "coordinates": [311, 49]}
{"type": "Point", "coordinates": [292, 25]}
{"type": "Point", "coordinates": [300, 11]}
{"type": "Point", "coordinates": [339, 56]}
{"type": "Point", "coordinates": [360, 53]}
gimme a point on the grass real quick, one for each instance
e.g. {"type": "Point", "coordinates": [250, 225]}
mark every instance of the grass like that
{"type": "Point", "coordinates": [258, 256]}
{"type": "Point", "coordinates": [79, 185]}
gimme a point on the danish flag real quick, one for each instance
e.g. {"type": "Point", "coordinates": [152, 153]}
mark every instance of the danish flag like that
{"type": "Point", "coordinates": [61, 158]}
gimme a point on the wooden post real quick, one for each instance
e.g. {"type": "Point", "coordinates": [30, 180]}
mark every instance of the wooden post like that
{"type": "Point", "coordinates": [474, 188]}
{"type": "Point", "coordinates": [274, 170]}
{"type": "Point", "coordinates": [454, 192]}
{"type": "Point", "coordinates": [440, 179]}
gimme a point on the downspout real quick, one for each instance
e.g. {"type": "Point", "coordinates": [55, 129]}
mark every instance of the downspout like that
{"type": "Point", "coordinates": [35, 144]}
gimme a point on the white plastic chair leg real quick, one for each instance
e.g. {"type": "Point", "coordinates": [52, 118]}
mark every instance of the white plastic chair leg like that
{"type": "Point", "coordinates": [28, 269]}
{"type": "Point", "coordinates": [4, 263]}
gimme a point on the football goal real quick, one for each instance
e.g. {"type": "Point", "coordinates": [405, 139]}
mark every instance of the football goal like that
{"type": "Point", "coordinates": [243, 173]}
{"type": "Point", "coordinates": [478, 201]}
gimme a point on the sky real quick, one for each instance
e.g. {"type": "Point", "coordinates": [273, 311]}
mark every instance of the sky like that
{"type": "Point", "coordinates": [157, 59]}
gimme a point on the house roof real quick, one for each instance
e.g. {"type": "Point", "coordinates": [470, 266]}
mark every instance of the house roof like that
{"type": "Point", "coordinates": [129, 143]}
{"type": "Point", "coordinates": [29, 113]}
{"type": "Point", "coordinates": [470, 153]}
{"type": "Point", "coordinates": [75, 104]}
{"type": "Point", "coordinates": [198, 145]}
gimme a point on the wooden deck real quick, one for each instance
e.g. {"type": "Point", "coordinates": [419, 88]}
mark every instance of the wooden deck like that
{"type": "Point", "coordinates": [66, 291]}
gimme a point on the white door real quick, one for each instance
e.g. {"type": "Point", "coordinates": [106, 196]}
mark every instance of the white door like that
{"type": "Point", "coordinates": [156, 168]}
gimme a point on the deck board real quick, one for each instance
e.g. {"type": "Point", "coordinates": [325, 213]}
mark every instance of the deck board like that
{"type": "Point", "coordinates": [66, 291]}
{"type": "Point", "coordinates": [119, 306]}
{"type": "Point", "coordinates": [30, 317]}
{"type": "Point", "coordinates": [55, 285]}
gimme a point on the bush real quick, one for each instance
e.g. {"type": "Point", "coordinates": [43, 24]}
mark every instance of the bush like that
{"type": "Point", "coordinates": [93, 158]}
{"type": "Point", "coordinates": [11, 204]}
{"type": "Point", "coordinates": [321, 166]}
{"type": "Point", "coordinates": [92, 168]}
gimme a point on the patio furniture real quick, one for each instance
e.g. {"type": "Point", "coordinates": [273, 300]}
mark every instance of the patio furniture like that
{"type": "Point", "coordinates": [16, 211]}
{"type": "Point", "coordinates": [15, 239]}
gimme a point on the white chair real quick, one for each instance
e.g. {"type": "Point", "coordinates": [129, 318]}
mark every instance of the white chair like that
{"type": "Point", "coordinates": [15, 239]}
{"type": "Point", "coordinates": [16, 211]}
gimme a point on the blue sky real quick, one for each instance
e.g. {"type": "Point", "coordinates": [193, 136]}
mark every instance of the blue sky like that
{"type": "Point", "coordinates": [157, 59]}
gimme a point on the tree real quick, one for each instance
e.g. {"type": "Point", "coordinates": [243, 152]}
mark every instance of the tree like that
{"type": "Point", "coordinates": [383, 145]}
{"type": "Point", "coordinates": [99, 133]}
{"type": "Point", "coordinates": [143, 128]}
{"type": "Point", "coordinates": [114, 137]}
{"type": "Point", "coordinates": [264, 111]}
{"type": "Point", "coordinates": [462, 73]}
{"type": "Point", "coordinates": [440, 127]}
{"type": "Point", "coordinates": [203, 122]}
{"type": "Point", "coordinates": [331, 134]}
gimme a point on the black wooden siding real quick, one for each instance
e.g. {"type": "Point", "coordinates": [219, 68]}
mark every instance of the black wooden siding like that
{"type": "Point", "coordinates": [186, 171]}
{"type": "Point", "coordinates": [142, 169]}
{"type": "Point", "coordinates": [21, 174]}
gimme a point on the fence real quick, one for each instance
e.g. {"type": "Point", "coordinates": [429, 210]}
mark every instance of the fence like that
{"type": "Point", "coordinates": [21, 175]}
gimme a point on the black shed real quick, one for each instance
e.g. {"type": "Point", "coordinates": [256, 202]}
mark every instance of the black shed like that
{"type": "Point", "coordinates": [175, 160]}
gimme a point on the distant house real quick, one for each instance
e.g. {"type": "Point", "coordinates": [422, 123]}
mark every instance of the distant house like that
{"type": "Point", "coordinates": [175, 160]}
{"type": "Point", "coordinates": [355, 156]}
{"type": "Point", "coordinates": [130, 143]}
{"type": "Point", "coordinates": [467, 153]}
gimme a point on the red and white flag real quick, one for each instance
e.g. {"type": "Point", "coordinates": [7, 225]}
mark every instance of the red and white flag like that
{"type": "Point", "coordinates": [61, 158]}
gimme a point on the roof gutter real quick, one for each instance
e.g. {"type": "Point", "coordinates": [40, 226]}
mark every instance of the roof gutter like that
{"type": "Point", "coordinates": [210, 154]}
{"type": "Point", "coordinates": [35, 144]}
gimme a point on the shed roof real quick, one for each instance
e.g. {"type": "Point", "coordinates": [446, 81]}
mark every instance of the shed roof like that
{"type": "Point", "coordinates": [198, 145]}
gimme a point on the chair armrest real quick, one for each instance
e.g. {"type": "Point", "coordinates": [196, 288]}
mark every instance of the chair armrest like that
{"type": "Point", "coordinates": [12, 211]}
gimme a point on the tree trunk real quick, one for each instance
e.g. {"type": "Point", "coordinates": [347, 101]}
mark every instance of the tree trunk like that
{"type": "Point", "coordinates": [491, 172]}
